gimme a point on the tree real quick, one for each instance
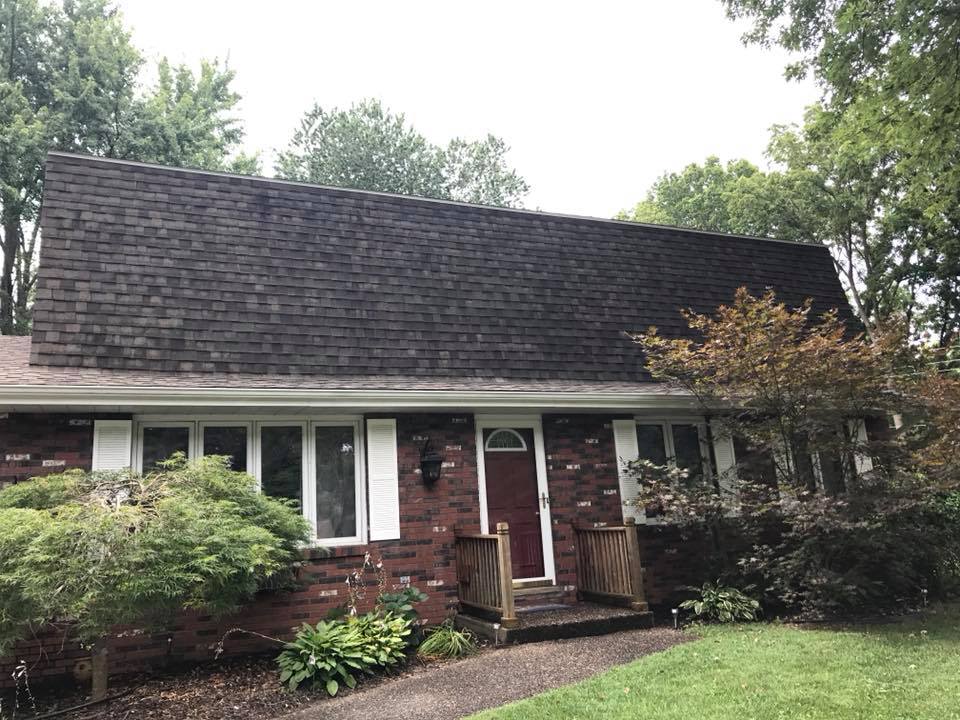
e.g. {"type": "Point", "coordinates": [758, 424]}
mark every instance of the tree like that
{"type": "Point", "coordinates": [368, 147]}
{"type": "Point", "coordinates": [890, 74]}
{"type": "Point", "coordinates": [95, 550]}
{"type": "Point", "coordinates": [68, 81]}
{"type": "Point", "coordinates": [835, 521]}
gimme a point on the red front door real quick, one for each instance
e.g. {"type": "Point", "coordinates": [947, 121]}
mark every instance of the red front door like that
{"type": "Point", "coordinates": [513, 496]}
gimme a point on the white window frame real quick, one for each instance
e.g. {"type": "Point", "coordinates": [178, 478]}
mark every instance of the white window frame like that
{"type": "Point", "coordinates": [511, 431]}
{"type": "Point", "coordinates": [359, 453]}
{"type": "Point", "coordinates": [142, 425]}
{"type": "Point", "coordinates": [254, 423]}
{"type": "Point", "coordinates": [666, 425]}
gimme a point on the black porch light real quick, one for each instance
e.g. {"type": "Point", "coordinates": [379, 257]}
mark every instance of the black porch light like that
{"type": "Point", "coordinates": [430, 463]}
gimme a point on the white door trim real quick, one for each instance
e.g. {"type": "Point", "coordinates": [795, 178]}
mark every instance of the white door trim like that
{"type": "Point", "coordinates": [529, 422]}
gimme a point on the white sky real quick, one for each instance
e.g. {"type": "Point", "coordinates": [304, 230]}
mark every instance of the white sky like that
{"type": "Point", "coordinates": [596, 99]}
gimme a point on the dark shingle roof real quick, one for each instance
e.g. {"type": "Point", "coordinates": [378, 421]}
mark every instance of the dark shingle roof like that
{"type": "Point", "coordinates": [159, 269]}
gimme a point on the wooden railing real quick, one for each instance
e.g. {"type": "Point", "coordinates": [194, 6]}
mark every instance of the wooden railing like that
{"type": "Point", "coordinates": [485, 576]}
{"type": "Point", "coordinates": [608, 565]}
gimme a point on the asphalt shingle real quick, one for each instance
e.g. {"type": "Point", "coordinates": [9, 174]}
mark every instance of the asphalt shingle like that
{"type": "Point", "coordinates": [155, 269]}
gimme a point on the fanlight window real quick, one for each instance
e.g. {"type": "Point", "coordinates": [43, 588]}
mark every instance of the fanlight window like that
{"type": "Point", "coordinates": [505, 440]}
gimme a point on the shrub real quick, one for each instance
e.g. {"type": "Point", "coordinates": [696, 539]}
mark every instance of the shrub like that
{"type": "Point", "coordinates": [99, 549]}
{"type": "Point", "coordinates": [334, 652]}
{"type": "Point", "coordinates": [719, 603]}
{"type": "Point", "coordinates": [445, 641]}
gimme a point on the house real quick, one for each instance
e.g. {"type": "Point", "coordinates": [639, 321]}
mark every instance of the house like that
{"type": "Point", "coordinates": [323, 337]}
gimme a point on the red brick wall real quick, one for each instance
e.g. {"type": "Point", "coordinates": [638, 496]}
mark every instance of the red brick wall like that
{"type": "Point", "coordinates": [34, 444]}
{"type": "Point", "coordinates": [584, 489]}
{"type": "Point", "coordinates": [423, 557]}
{"type": "Point", "coordinates": [582, 477]}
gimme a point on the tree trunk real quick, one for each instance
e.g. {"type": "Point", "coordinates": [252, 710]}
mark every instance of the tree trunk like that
{"type": "Point", "coordinates": [11, 241]}
{"type": "Point", "coordinates": [98, 667]}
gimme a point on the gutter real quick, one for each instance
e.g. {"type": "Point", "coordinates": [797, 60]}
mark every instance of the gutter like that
{"type": "Point", "coordinates": [14, 396]}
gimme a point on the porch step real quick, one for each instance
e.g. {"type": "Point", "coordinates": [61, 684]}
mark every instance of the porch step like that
{"type": "Point", "coordinates": [553, 623]}
{"type": "Point", "coordinates": [537, 596]}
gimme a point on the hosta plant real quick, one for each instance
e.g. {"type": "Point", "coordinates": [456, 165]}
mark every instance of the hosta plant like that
{"type": "Point", "coordinates": [334, 653]}
{"type": "Point", "coordinates": [719, 603]}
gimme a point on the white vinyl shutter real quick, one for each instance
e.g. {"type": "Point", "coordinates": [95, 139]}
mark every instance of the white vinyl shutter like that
{"type": "Point", "coordinates": [384, 479]}
{"type": "Point", "coordinates": [112, 440]}
{"type": "Point", "coordinates": [625, 442]}
{"type": "Point", "coordinates": [725, 457]}
{"type": "Point", "coordinates": [858, 431]}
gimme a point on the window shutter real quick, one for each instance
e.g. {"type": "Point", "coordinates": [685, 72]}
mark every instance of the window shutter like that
{"type": "Point", "coordinates": [725, 457]}
{"type": "Point", "coordinates": [112, 440]}
{"type": "Point", "coordinates": [625, 441]}
{"type": "Point", "coordinates": [384, 479]}
{"type": "Point", "coordinates": [858, 431]}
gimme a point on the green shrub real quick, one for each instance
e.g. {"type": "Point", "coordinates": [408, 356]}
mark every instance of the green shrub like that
{"type": "Point", "coordinates": [332, 653]}
{"type": "Point", "coordinates": [109, 548]}
{"type": "Point", "coordinates": [401, 602]}
{"type": "Point", "coordinates": [718, 603]}
{"type": "Point", "coordinates": [445, 641]}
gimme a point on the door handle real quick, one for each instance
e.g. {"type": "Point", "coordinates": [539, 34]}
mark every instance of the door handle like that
{"type": "Point", "coordinates": [544, 501]}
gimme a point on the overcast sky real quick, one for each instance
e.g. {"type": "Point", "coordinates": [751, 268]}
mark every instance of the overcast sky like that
{"type": "Point", "coordinates": [596, 99]}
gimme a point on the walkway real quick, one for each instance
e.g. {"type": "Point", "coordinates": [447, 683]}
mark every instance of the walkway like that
{"type": "Point", "coordinates": [446, 691]}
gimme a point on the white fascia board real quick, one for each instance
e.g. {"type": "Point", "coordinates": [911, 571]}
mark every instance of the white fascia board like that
{"type": "Point", "coordinates": [139, 397]}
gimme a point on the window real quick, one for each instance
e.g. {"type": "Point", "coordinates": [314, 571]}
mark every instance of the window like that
{"type": "Point", "coordinates": [230, 439]}
{"type": "Point", "coordinates": [505, 440]}
{"type": "Point", "coordinates": [281, 461]}
{"type": "Point", "coordinates": [676, 442]}
{"type": "Point", "coordinates": [317, 463]}
{"type": "Point", "coordinates": [161, 440]}
{"type": "Point", "coordinates": [336, 488]}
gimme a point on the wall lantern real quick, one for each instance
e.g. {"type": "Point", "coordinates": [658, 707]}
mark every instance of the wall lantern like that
{"type": "Point", "coordinates": [430, 463]}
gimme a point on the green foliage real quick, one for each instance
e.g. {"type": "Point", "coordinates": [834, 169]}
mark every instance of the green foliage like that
{"type": "Point", "coordinates": [445, 641]}
{"type": "Point", "coordinates": [719, 603]}
{"type": "Point", "coordinates": [816, 530]}
{"type": "Point", "coordinates": [370, 148]}
{"type": "Point", "coordinates": [400, 602]}
{"type": "Point", "coordinates": [70, 80]}
{"type": "Point", "coordinates": [884, 143]}
{"type": "Point", "coordinates": [335, 652]}
{"type": "Point", "coordinates": [101, 549]}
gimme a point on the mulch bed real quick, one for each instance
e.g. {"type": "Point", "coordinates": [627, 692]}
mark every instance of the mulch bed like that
{"type": "Point", "coordinates": [244, 689]}
{"type": "Point", "coordinates": [247, 689]}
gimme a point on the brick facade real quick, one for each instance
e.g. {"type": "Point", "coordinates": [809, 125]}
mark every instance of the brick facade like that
{"type": "Point", "coordinates": [582, 478]}
{"type": "Point", "coordinates": [33, 444]}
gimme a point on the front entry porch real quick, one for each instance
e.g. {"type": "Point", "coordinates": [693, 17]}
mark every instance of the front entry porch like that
{"type": "Point", "coordinates": [609, 590]}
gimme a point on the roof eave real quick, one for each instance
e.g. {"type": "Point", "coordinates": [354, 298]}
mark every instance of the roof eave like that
{"type": "Point", "coordinates": [13, 397]}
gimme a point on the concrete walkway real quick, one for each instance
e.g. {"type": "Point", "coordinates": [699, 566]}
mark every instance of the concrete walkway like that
{"type": "Point", "coordinates": [446, 691]}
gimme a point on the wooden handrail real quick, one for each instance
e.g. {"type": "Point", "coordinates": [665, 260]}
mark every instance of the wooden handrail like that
{"type": "Point", "coordinates": [608, 565]}
{"type": "Point", "coordinates": [485, 574]}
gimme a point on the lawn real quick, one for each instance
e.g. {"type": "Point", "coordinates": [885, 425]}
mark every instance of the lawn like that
{"type": "Point", "coordinates": [908, 670]}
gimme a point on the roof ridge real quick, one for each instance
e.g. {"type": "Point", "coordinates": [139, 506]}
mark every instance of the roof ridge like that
{"type": "Point", "coordinates": [439, 201]}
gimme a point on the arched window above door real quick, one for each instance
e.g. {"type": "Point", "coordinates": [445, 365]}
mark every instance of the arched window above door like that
{"type": "Point", "coordinates": [505, 440]}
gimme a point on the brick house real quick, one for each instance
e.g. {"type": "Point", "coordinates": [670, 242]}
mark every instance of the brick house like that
{"type": "Point", "coordinates": [323, 337]}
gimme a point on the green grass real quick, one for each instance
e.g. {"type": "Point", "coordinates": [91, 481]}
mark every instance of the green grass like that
{"type": "Point", "coordinates": [908, 670]}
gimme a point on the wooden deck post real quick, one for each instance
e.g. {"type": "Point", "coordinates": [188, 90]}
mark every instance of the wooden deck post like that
{"type": "Point", "coordinates": [639, 601]}
{"type": "Point", "coordinates": [509, 617]}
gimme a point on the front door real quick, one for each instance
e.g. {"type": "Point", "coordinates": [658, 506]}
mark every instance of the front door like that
{"type": "Point", "coordinates": [513, 497]}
